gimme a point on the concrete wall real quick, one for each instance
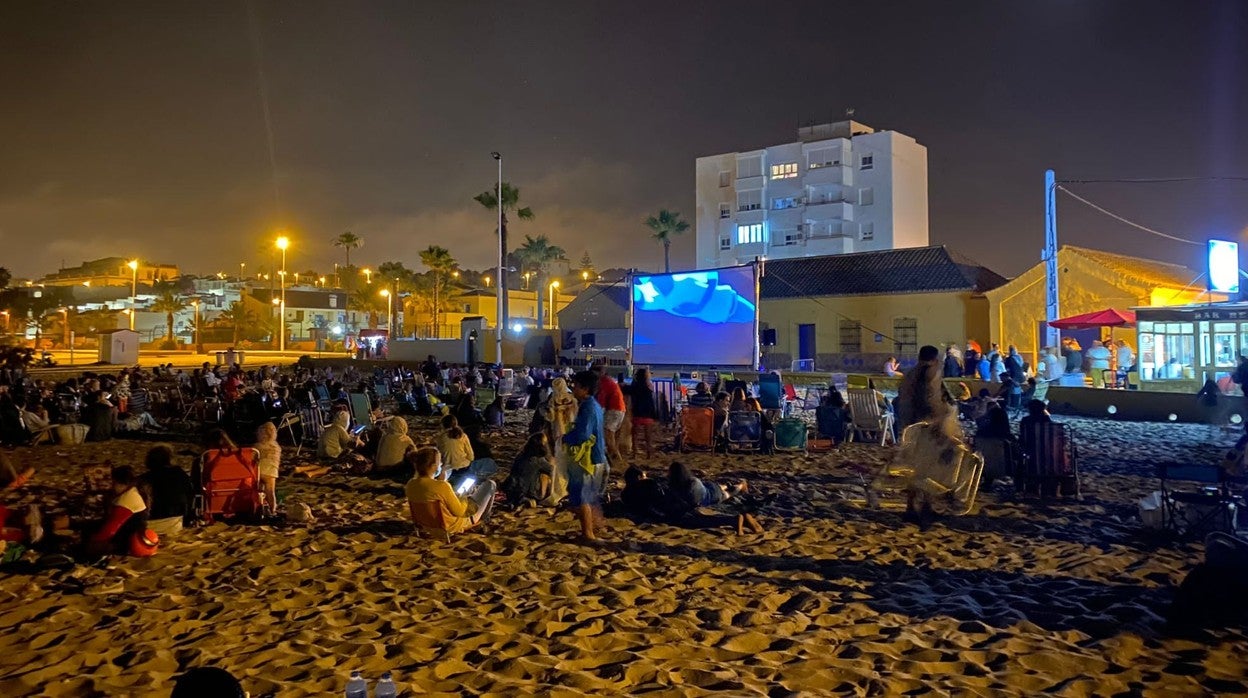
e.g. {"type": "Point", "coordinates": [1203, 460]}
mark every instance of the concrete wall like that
{"type": "Point", "coordinates": [942, 318]}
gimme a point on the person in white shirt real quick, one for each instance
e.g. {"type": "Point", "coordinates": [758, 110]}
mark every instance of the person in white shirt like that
{"type": "Point", "coordinates": [1054, 365]}
{"type": "Point", "coordinates": [1126, 355]}
{"type": "Point", "coordinates": [1098, 362]}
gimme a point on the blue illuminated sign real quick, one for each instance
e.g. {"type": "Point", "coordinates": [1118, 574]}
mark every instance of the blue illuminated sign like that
{"type": "Point", "coordinates": [1223, 266]}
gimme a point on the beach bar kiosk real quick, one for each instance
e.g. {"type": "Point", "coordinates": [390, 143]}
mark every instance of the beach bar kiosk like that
{"type": "Point", "coordinates": [1182, 346]}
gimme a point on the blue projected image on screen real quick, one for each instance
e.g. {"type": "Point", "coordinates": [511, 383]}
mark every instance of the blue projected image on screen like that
{"type": "Point", "coordinates": [695, 318]}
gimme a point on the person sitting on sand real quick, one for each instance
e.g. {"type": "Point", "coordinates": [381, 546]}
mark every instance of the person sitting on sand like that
{"type": "Point", "coordinates": [394, 445]}
{"type": "Point", "coordinates": [427, 486]}
{"type": "Point", "coordinates": [268, 465]}
{"type": "Point", "coordinates": [532, 474]}
{"type": "Point", "coordinates": [126, 517]}
{"type": "Point", "coordinates": [454, 445]}
{"type": "Point", "coordinates": [643, 497]}
{"type": "Point", "coordinates": [997, 444]}
{"type": "Point", "coordinates": [37, 421]}
{"type": "Point", "coordinates": [337, 443]}
{"type": "Point", "coordinates": [720, 406]}
{"type": "Point", "coordinates": [494, 414]}
{"type": "Point", "coordinates": [171, 492]}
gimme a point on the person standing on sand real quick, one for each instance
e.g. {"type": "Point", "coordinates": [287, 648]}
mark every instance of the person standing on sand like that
{"type": "Point", "coordinates": [586, 481]}
{"type": "Point", "coordinates": [922, 395]}
{"type": "Point", "coordinates": [611, 399]}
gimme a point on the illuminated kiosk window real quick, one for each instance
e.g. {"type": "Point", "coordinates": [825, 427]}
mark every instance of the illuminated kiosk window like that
{"type": "Point", "coordinates": [1167, 350]}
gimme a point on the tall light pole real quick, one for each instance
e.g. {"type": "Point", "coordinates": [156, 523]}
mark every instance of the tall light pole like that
{"type": "Point", "coordinates": [368, 275]}
{"type": "Point", "coordinates": [502, 280]}
{"type": "Point", "coordinates": [553, 285]}
{"type": "Point", "coordinates": [282, 243]}
{"type": "Point", "coordinates": [65, 333]}
{"type": "Point", "coordinates": [199, 347]}
{"type": "Point", "coordinates": [134, 289]}
{"type": "Point", "coordinates": [5, 313]}
{"type": "Point", "coordinates": [241, 265]}
{"type": "Point", "coordinates": [385, 292]}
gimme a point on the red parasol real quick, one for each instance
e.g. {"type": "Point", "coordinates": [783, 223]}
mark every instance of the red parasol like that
{"type": "Point", "coordinates": [1100, 318]}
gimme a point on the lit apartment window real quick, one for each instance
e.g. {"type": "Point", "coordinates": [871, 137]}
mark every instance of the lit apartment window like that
{"type": "Point", "coordinates": [752, 232]}
{"type": "Point", "coordinates": [786, 170]}
{"type": "Point", "coordinates": [866, 197]}
{"type": "Point", "coordinates": [725, 210]}
{"type": "Point", "coordinates": [785, 202]}
{"type": "Point", "coordinates": [725, 243]}
{"type": "Point", "coordinates": [868, 161]}
{"type": "Point", "coordinates": [725, 178]}
{"type": "Point", "coordinates": [867, 231]}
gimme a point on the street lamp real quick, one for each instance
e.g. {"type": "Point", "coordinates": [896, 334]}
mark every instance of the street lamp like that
{"type": "Point", "coordinates": [385, 292]}
{"type": "Point", "coordinates": [553, 285]}
{"type": "Point", "coordinates": [199, 347]}
{"type": "Point", "coordinates": [499, 320]}
{"type": "Point", "coordinates": [487, 280]}
{"type": "Point", "coordinates": [584, 276]}
{"type": "Point", "coordinates": [526, 275]}
{"type": "Point", "coordinates": [65, 312]}
{"type": "Point", "coordinates": [322, 282]}
{"type": "Point", "coordinates": [368, 275]}
{"type": "Point", "coordinates": [134, 289]}
{"type": "Point", "coordinates": [282, 243]}
{"type": "Point", "coordinates": [241, 266]}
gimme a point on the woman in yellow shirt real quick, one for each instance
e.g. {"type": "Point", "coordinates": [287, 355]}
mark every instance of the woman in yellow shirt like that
{"type": "Point", "coordinates": [461, 513]}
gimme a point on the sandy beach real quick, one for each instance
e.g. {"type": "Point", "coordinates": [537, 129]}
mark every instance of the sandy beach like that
{"type": "Point", "coordinates": [1020, 597]}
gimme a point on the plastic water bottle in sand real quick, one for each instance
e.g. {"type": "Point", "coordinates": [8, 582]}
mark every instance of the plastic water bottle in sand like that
{"type": "Point", "coordinates": [385, 687]}
{"type": "Point", "coordinates": [357, 687]}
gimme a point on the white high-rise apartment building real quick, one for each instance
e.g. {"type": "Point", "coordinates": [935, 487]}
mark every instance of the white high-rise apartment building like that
{"type": "Point", "coordinates": [842, 187]}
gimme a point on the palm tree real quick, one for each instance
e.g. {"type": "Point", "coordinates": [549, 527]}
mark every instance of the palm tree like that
{"type": "Point", "coordinates": [441, 265]}
{"type": "Point", "coordinates": [510, 202]}
{"type": "Point", "coordinates": [537, 252]}
{"type": "Point", "coordinates": [238, 316]}
{"type": "Point", "coordinates": [666, 225]}
{"type": "Point", "coordinates": [349, 241]}
{"type": "Point", "coordinates": [169, 302]}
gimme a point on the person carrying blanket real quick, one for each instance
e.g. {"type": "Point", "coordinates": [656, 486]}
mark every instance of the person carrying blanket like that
{"type": "Point", "coordinates": [587, 456]}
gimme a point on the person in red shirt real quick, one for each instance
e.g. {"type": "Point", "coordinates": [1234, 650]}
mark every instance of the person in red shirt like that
{"type": "Point", "coordinates": [611, 398]}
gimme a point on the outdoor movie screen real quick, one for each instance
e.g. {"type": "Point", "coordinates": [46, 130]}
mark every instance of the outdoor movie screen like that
{"type": "Point", "coordinates": [702, 318]}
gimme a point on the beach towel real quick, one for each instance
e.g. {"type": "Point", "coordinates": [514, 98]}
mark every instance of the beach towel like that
{"type": "Point", "coordinates": [582, 454]}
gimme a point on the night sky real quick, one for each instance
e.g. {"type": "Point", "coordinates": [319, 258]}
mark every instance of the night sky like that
{"type": "Point", "coordinates": [137, 128]}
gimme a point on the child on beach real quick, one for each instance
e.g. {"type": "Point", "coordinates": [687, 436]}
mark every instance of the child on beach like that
{"type": "Point", "coordinates": [454, 446]}
{"type": "Point", "coordinates": [587, 475]}
{"type": "Point", "coordinates": [270, 460]}
{"type": "Point", "coordinates": [126, 517]}
{"type": "Point", "coordinates": [532, 473]}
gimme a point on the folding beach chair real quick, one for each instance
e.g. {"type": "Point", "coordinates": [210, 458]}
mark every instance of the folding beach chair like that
{"type": "Point", "coordinates": [791, 435]}
{"type": "Point", "coordinates": [769, 395]}
{"type": "Point", "coordinates": [1049, 458]}
{"type": "Point", "coordinates": [230, 482]}
{"type": "Point", "coordinates": [926, 464]}
{"type": "Point", "coordinates": [696, 429]}
{"type": "Point", "coordinates": [745, 430]}
{"type": "Point", "coordinates": [1187, 512]}
{"type": "Point", "coordinates": [288, 422]}
{"type": "Point", "coordinates": [433, 518]}
{"type": "Point", "coordinates": [868, 420]}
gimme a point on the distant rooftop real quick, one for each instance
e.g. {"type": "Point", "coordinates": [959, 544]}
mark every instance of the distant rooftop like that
{"type": "Point", "coordinates": [910, 270]}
